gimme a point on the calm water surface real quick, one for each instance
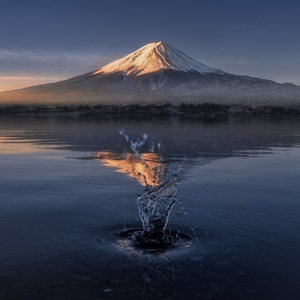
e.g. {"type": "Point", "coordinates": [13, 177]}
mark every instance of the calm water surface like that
{"type": "Point", "coordinates": [69, 184]}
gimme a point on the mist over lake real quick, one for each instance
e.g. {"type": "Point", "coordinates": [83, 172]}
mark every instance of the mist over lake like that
{"type": "Point", "coordinates": [69, 184]}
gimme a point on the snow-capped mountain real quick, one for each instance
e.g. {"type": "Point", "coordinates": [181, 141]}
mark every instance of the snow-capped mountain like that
{"type": "Point", "coordinates": [155, 57]}
{"type": "Point", "coordinates": [157, 73]}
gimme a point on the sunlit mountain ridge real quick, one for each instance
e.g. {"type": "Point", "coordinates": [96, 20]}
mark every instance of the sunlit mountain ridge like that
{"type": "Point", "coordinates": [155, 57]}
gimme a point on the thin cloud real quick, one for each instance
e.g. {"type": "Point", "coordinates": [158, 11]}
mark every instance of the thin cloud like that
{"type": "Point", "coordinates": [62, 63]}
{"type": "Point", "coordinates": [48, 56]}
{"type": "Point", "coordinates": [22, 67]}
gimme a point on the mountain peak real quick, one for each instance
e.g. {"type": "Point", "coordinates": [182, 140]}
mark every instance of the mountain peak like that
{"type": "Point", "coordinates": [155, 57]}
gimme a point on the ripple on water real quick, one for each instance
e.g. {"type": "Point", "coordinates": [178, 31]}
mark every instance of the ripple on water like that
{"type": "Point", "coordinates": [135, 242]}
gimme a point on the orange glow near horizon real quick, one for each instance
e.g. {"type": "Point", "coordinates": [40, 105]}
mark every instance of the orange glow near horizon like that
{"type": "Point", "coordinates": [145, 169]}
{"type": "Point", "coordinates": [8, 83]}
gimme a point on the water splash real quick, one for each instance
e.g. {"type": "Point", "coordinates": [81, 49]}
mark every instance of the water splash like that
{"type": "Point", "coordinates": [135, 144]}
{"type": "Point", "coordinates": [155, 205]}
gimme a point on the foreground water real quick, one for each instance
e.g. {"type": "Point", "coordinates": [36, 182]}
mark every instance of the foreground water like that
{"type": "Point", "coordinates": [72, 193]}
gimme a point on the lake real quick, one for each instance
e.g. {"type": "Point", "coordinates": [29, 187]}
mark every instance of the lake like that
{"type": "Point", "coordinates": [69, 186]}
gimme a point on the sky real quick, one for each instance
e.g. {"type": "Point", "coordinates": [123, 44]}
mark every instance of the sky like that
{"type": "Point", "coordinates": [47, 41]}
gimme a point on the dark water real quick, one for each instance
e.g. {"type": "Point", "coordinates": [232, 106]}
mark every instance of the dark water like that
{"type": "Point", "coordinates": [68, 185]}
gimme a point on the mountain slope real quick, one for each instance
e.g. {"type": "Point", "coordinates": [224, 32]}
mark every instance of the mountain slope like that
{"type": "Point", "coordinates": [157, 73]}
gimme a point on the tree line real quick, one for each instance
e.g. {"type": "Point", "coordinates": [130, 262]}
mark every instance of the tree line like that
{"type": "Point", "coordinates": [183, 109]}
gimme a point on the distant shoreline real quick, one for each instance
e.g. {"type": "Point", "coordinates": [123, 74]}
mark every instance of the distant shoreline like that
{"type": "Point", "coordinates": [184, 110]}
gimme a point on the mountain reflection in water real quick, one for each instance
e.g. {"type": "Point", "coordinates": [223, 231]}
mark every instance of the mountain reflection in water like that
{"type": "Point", "coordinates": [145, 169]}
